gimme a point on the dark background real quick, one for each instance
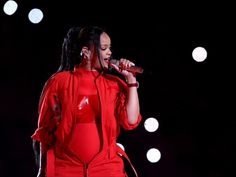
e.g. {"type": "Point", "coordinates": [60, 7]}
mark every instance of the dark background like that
{"type": "Point", "coordinates": [192, 101]}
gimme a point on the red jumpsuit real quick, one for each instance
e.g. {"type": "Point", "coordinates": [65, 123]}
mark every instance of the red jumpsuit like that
{"type": "Point", "coordinates": [80, 114]}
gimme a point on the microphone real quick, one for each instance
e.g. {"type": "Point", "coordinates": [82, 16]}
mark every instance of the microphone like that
{"type": "Point", "coordinates": [133, 69]}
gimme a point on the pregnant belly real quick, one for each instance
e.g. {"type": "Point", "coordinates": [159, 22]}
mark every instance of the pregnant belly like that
{"type": "Point", "coordinates": [85, 142]}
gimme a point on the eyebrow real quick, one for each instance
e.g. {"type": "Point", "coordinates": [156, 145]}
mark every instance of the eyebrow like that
{"type": "Point", "coordinates": [105, 45]}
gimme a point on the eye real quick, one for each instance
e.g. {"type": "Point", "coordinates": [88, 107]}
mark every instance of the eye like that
{"type": "Point", "coordinates": [105, 47]}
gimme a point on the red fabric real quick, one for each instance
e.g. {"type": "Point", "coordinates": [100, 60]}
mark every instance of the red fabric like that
{"type": "Point", "coordinates": [86, 138]}
{"type": "Point", "coordinates": [88, 109]}
{"type": "Point", "coordinates": [58, 111]}
{"type": "Point", "coordinates": [85, 141]}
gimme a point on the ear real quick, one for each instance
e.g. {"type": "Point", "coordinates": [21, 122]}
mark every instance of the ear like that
{"type": "Point", "coordinates": [85, 52]}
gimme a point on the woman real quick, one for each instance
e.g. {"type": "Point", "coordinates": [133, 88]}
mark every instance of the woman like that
{"type": "Point", "coordinates": [82, 107]}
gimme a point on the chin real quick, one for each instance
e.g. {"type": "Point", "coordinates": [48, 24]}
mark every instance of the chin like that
{"type": "Point", "coordinates": [106, 67]}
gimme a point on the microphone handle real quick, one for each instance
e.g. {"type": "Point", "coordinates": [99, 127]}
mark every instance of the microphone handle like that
{"type": "Point", "coordinates": [134, 69]}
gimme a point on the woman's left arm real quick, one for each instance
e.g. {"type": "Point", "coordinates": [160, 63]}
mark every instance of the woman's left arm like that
{"type": "Point", "coordinates": [132, 99]}
{"type": "Point", "coordinates": [132, 102]}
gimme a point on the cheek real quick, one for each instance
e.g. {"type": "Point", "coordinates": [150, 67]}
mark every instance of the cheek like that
{"type": "Point", "coordinates": [102, 54]}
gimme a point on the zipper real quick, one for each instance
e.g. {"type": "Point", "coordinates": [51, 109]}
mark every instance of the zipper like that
{"type": "Point", "coordinates": [86, 170]}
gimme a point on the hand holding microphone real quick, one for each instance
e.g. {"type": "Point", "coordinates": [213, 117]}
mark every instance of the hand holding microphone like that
{"type": "Point", "coordinates": [124, 64]}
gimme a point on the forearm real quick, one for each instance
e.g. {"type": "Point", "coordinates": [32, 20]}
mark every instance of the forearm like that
{"type": "Point", "coordinates": [132, 104]}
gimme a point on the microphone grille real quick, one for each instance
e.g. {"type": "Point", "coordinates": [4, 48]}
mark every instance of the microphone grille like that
{"type": "Point", "coordinates": [115, 62]}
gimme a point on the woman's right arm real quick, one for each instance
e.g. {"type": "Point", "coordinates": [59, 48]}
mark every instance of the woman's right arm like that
{"type": "Point", "coordinates": [48, 119]}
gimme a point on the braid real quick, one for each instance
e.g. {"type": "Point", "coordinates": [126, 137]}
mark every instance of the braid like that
{"type": "Point", "coordinates": [70, 51]}
{"type": "Point", "coordinates": [75, 39]}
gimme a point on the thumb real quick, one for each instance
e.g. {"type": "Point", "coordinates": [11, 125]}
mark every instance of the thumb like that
{"type": "Point", "coordinates": [115, 67]}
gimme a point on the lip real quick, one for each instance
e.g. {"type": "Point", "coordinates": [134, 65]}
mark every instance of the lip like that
{"type": "Point", "coordinates": [106, 60]}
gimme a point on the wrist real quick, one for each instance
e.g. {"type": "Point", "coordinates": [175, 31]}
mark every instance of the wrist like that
{"type": "Point", "coordinates": [130, 79]}
{"type": "Point", "coordinates": [133, 84]}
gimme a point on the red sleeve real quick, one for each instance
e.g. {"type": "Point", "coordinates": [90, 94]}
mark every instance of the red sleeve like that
{"type": "Point", "coordinates": [49, 113]}
{"type": "Point", "coordinates": [121, 109]}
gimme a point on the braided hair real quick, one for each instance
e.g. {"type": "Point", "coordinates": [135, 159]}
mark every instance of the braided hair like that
{"type": "Point", "coordinates": [75, 39]}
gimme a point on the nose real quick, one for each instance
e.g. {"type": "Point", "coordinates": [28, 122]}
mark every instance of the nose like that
{"type": "Point", "coordinates": [109, 52]}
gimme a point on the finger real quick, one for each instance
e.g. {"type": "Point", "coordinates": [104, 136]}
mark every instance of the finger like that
{"type": "Point", "coordinates": [116, 67]}
{"type": "Point", "coordinates": [126, 63]}
{"type": "Point", "coordinates": [131, 64]}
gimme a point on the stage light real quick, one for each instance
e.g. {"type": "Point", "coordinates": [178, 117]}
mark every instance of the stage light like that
{"type": "Point", "coordinates": [199, 54]}
{"type": "Point", "coordinates": [153, 155]}
{"type": "Point", "coordinates": [151, 124]}
{"type": "Point", "coordinates": [10, 7]}
{"type": "Point", "coordinates": [35, 15]}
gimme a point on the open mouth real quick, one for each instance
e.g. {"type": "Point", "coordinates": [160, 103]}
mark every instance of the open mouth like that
{"type": "Point", "coordinates": [107, 60]}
